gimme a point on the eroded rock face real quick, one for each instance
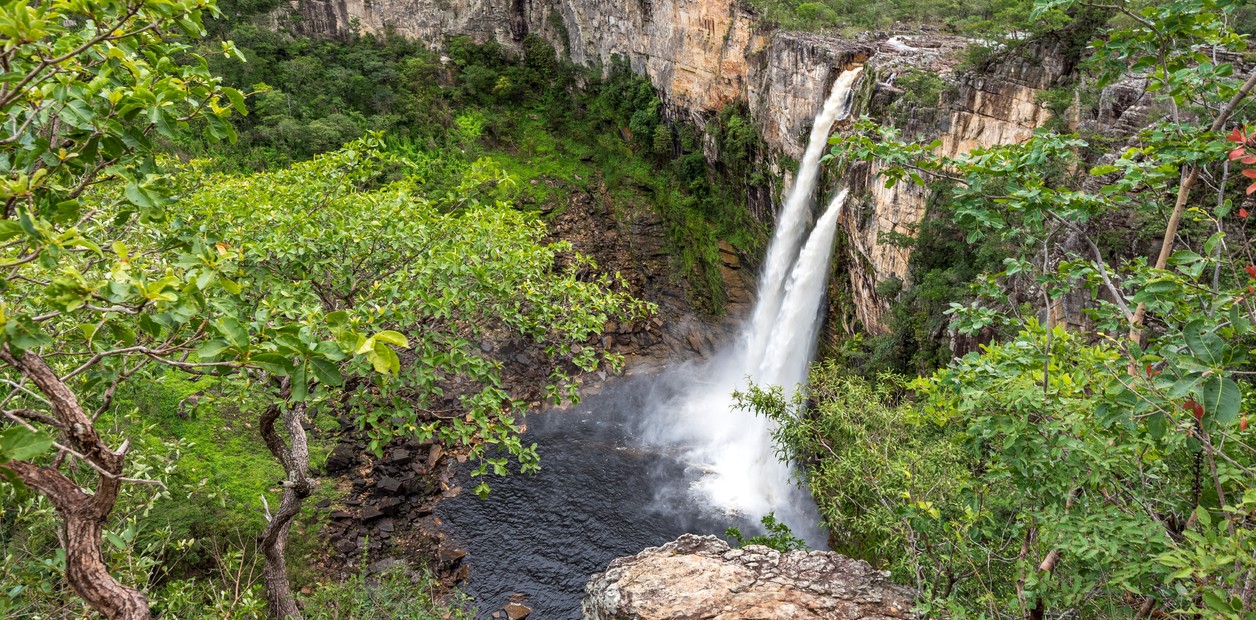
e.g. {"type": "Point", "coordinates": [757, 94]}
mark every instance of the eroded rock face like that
{"type": "Point", "coordinates": [1000, 106]}
{"type": "Point", "coordinates": [701, 578]}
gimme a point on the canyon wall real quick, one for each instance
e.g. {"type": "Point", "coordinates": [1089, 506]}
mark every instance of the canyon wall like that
{"type": "Point", "coordinates": [702, 55]}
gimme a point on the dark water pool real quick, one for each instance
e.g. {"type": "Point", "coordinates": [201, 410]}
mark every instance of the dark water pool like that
{"type": "Point", "coordinates": [600, 495]}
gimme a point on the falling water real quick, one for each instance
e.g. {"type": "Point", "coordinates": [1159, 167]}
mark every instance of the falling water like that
{"type": "Point", "coordinates": [792, 221]}
{"type": "Point", "coordinates": [604, 495]}
{"type": "Point", "coordinates": [794, 334]}
{"type": "Point", "coordinates": [732, 446]}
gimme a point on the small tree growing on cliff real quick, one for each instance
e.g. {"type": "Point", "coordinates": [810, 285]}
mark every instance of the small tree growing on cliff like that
{"type": "Point", "coordinates": [82, 312]}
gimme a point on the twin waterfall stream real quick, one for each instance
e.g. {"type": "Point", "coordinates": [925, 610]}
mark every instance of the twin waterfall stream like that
{"type": "Point", "coordinates": [653, 457]}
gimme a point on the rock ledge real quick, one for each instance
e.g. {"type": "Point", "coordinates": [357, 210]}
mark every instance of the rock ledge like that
{"type": "Point", "coordinates": [702, 578]}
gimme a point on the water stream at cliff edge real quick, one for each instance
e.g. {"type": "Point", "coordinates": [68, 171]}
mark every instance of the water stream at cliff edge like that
{"type": "Point", "coordinates": [651, 458]}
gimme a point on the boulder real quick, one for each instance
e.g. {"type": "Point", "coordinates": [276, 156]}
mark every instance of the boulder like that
{"type": "Point", "coordinates": [515, 611]}
{"type": "Point", "coordinates": [702, 578]}
{"type": "Point", "coordinates": [342, 457]}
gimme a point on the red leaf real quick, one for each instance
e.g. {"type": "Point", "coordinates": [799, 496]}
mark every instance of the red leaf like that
{"type": "Point", "coordinates": [1243, 423]}
{"type": "Point", "coordinates": [1243, 213]}
{"type": "Point", "coordinates": [1251, 271]}
{"type": "Point", "coordinates": [1249, 173]}
{"type": "Point", "coordinates": [1237, 153]}
{"type": "Point", "coordinates": [1236, 136]}
{"type": "Point", "coordinates": [1251, 188]}
{"type": "Point", "coordinates": [1249, 159]}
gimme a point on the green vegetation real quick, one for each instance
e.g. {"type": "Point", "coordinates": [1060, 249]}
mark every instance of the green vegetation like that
{"type": "Point", "coordinates": [164, 321]}
{"type": "Point", "coordinates": [1089, 453]}
{"type": "Point", "coordinates": [986, 18]}
{"type": "Point", "coordinates": [777, 536]}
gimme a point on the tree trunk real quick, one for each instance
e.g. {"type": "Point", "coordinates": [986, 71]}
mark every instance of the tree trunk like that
{"type": "Point", "coordinates": [1189, 177]}
{"type": "Point", "coordinates": [274, 539]}
{"type": "Point", "coordinates": [83, 514]}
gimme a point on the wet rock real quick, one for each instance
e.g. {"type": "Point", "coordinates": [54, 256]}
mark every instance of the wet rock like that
{"type": "Point", "coordinates": [515, 611]}
{"type": "Point", "coordinates": [450, 556]}
{"type": "Point", "coordinates": [701, 578]}
{"type": "Point", "coordinates": [728, 256]}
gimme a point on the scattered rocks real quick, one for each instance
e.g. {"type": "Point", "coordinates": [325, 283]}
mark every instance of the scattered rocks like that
{"type": "Point", "coordinates": [701, 578]}
{"type": "Point", "coordinates": [388, 485]}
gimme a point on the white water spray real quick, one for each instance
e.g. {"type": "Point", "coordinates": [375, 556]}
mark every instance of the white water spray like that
{"type": "Point", "coordinates": [793, 338]}
{"type": "Point", "coordinates": [733, 447]}
{"type": "Point", "coordinates": [792, 221]}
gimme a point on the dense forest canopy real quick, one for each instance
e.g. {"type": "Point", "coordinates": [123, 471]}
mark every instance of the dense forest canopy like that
{"type": "Point", "coordinates": [222, 242]}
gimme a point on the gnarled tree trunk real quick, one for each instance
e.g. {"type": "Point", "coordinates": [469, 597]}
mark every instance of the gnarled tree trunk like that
{"type": "Point", "coordinates": [83, 514]}
{"type": "Point", "coordinates": [295, 457]}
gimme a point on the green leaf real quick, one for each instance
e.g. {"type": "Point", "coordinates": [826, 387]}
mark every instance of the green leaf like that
{"type": "Point", "coordinates": [384, 359]}
{"type": "Point", "coordinates": [1206, 345]}
{"type": "Point", "coordinates": [211, 349]}
{"type": "Point", "coordinates": [273, 362]}
{"type": "Point", "coordinates": [9, 229]}
{"type": "Point", "coordinates": [234, 332]}
{"type": "Point", "coordinates": [116, 541]}
{"type": "Point", "coordinates": [237, 100]}
{"type": "Point", "coordinates": [18, 443]}
{"type": "Point", "coordinates": [1221, 398]}
{"type": "Point", "coordinates": [327, 372]}
{"type": "Point", "coordinates": [393, 338]}
{"type": "Point", "coordinates": [300, 384]}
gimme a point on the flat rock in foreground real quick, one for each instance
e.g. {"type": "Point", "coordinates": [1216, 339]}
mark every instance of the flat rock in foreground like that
{"type": "Point", "coordinates": [701, 578]}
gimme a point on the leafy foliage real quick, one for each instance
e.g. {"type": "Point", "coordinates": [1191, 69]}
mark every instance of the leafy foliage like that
{"type": "Point", "coordinates": [1091, 460]}
{"type": "Point", "coordinates": [777, 536]}
{"type": "Point", "coordinates": [334, 240]}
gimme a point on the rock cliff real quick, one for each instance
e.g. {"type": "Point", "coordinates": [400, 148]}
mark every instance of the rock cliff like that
{"type": "Point", "coordinates": [701, 578]}
{"type": "Point", "coordinates": [998, 105]}
{"type": "Point", "coordinates": [702, 55]}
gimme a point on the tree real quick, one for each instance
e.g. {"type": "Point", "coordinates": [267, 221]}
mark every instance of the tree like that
{"type": "Point", "coordinates": [86, 89]}
{"type": "Point", "coordinates": [1111, 464]}
{"type": "Point", "coordinates": [330, 250]}
{"type": "Point", "coordinates": [298, 285]}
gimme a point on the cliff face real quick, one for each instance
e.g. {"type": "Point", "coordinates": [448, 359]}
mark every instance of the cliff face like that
{"type": "Point", "coordinates": [1000, 106]}
{"type": "Point", "coordinates": [704, 54]}
{"type": "Point", "coordinates": [700, 54]}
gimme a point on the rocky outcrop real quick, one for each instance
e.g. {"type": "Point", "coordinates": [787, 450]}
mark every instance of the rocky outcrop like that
{"type": "Point", "coordinates": [631, 242]}
{"type": "Point", "coordinates": [701, 578]}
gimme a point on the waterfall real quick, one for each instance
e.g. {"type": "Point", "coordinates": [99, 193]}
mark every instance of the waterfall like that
{"type": "Point", "coordinates": [733, 447]}
{"type": "Point", "coordinates": [792, 220]}
{"type": "Point", "coordinates": [793, 336]}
